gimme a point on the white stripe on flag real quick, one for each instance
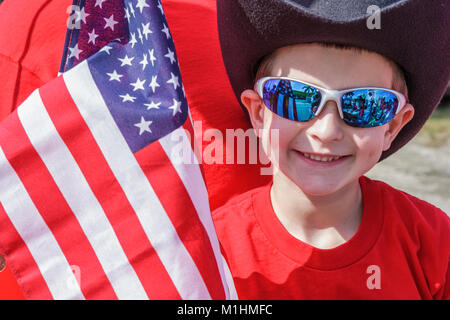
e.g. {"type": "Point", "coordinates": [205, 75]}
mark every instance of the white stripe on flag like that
{"type": "Point", "coordinates": [152, 216]}
{"type": "Point", "coordinates": [35, 233]}
{"type": "Point", "coordinates": [80, 198]}
{"type": "Point", "coordinates": [192, 179]}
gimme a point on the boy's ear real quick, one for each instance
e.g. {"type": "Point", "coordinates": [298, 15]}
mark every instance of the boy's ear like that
{"type": "Point", "coordinates": [397, 123]}
{"type": "Point", "coordinates": [255, 107]}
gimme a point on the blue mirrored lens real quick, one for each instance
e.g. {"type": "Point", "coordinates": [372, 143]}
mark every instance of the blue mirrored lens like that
{"type": "Point", "coordinates": [369, 108]}
{"type": "Point", "coordinates": [291, 99]}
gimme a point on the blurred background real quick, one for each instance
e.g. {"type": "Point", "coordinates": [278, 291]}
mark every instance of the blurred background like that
{"type": "Point", "coordinates": [422, 167]}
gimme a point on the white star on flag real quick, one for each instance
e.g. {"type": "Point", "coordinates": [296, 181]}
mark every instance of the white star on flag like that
{"type": "Point", "coordinates": [170, 55]}
{"type": "Point", "coordinates": [144, 126]}
{"type": "Point", "coordinates": [110, 22]}
{"type": "Point", "coordinates": [75, 52]}
{"type": "Point", "coordinates": [106, 49]}
{"type": "Point", "coordinates": [81, 15]}
{"type": "Point", "coordinates": [127, 14]}
{"type": "Point", "coordinates": [127, 97]}
{"type": "Point", "coordinates": [161, 8]}
{"type": "Point", "coordinates": [152, 57]}
{"type": "Point", "coordinates": [144, 61]}
{"type": "Point", "coordinates": [92, 36]}
{"type": "Point", "coordinates": [133, 40]}
{"type": "Point", "coordinates": [166, 31]}
{"type": "Point", "coordinates": [176, 107]}
{"type": "Point", "coordinates": [140, 36]}
{"type": "Point", "coordinates": [174, 80]}
{"type": "Point", "coordinates": [114, 76]}
{"type": "Point", "coordinates": [152, 105]}
{"type": "Point", "coordinates": [142, 4]}
{"type": "Point", "coordinates": [154, 84]}
{"type": "Point", "coordinates": [99, 3]}
{"type": "Point", "coordinates": [126, 61]}
{"type": "Point", "coordinates": [132, 10]}
{"type": "Point", "coordinates": [138, 85]}
{"type": "Point", "coordinates": [146, 30]}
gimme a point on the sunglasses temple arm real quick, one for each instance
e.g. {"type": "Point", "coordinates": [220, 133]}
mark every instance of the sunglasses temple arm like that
{"type": "Point", "coordinates": [402, 103]}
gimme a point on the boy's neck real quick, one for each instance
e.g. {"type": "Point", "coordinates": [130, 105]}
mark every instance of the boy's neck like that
{"type": "Point", "coordinates": [321, 221]}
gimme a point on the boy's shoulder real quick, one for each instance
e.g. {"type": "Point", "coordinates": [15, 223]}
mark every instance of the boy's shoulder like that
{"type": "Point", "coordinates": [408, 206]}
{"type": "Point", "coordinates": [425, 224]}
{"type": "Point", "coordinates": [238, 217]}
{"type": "Point", "coordinates": [242, 203]}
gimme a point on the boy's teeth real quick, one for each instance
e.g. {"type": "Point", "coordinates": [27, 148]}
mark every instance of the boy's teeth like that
{"type": "Point", "coordinates": [320, 158]}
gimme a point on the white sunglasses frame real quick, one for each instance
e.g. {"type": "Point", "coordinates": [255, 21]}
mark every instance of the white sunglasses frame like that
{"type": "Point", "coordinates": [329, 94]}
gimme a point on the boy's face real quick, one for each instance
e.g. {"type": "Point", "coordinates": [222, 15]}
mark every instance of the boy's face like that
{"type": "Point", "coordinates": [326, 135]}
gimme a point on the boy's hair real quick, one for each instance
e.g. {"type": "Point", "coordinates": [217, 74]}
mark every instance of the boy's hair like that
{"type": "Point", "coordinates": [265, 66]}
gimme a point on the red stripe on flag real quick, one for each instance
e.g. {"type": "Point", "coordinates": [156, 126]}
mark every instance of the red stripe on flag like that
{"type": "Point", "coordinates": [83, 147]}
{"type": "Point", "coordinates": [55, 211]}
{"type": "Point", "coordinates": [187, 126]}
{"type": "Point", "coordinates": [181, 211]}
{"type": "Point", "coordinates": [21, 261]}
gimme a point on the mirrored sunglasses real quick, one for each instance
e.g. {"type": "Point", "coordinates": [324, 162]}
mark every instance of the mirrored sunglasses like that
{"type": "Point", "coordinates": [362, 107]}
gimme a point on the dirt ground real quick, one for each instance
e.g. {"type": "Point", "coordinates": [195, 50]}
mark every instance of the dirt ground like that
{"type": "Point", "coordinates": [419, 170]}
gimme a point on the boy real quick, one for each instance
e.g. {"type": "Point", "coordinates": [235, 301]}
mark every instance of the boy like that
{"type": "Point", "coordinates": [320, 229]}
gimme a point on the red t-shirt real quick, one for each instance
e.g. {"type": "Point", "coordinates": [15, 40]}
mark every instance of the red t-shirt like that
{"type": "Point", "coordinates": [400, 251]}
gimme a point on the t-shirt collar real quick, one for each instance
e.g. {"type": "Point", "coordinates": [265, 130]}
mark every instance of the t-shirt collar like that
{"type": "Point", "coordinates": [324, 259]}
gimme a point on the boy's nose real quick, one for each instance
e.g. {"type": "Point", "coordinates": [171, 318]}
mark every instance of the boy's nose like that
{"type": "Point", "coordinates": [327, 126]}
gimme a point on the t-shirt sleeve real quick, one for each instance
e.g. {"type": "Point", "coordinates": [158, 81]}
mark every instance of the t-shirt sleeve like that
{"type": "Point", "coordinates": [425, 234]}
{"type": "Point", "coordinates": [436, 253]}
{"type": "Point", "coordinates": [435, 249]}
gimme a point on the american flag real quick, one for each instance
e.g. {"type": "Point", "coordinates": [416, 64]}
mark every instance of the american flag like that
{"type": "Point", "coordinates": [94, 200]}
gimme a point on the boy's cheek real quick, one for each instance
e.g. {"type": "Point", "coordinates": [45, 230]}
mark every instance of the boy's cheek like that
{"type": "Point", "coordinates": [373, 144]}
{"type": "Point", "coordinates": [375, 155]}
{"type": "Point", "coordinates": [376, 152]}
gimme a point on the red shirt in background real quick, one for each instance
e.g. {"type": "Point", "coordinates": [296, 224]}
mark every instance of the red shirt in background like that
{"type": "Point", "coordinates": [32, 37]}
{"type": "Point", "coordinates": [400, 251]}
{"type": "Point", "coordinates": [31, 43]}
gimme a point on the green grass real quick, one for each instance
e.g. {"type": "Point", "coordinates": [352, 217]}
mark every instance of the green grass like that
{"type": "Point", "coordinates": [436, 131]}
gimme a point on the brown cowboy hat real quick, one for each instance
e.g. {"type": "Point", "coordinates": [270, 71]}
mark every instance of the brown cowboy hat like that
{"type": "Point", "coordinates": [412, 33]}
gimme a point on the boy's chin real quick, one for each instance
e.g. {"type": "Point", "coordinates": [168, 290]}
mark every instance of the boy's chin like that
{"type": "Point", "coordinates": [324, 186]}
{"type": "Point", "coordinates": [319, 190]}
